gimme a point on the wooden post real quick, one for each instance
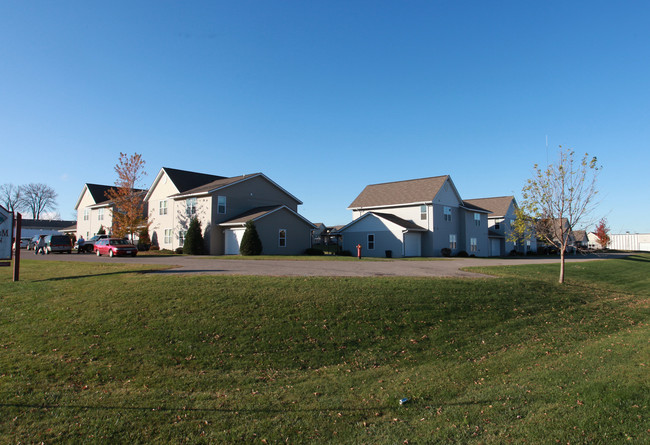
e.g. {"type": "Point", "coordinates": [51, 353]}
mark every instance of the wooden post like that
{"type": "Point", "coordinates": [19, 219]}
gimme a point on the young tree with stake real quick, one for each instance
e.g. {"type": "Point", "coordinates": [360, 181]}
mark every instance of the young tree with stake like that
{"type": "Point", "coordinates": [556, 200]}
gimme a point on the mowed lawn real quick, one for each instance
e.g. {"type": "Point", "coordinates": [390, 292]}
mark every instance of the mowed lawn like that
{"type": "Point", "coordinates": [110, 353]}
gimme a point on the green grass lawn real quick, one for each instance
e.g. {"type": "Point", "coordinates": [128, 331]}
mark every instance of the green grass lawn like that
{"type": "Point", "coordinates": [110, 353]}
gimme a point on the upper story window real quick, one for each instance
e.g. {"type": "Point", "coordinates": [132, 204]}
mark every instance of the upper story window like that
{"type": "Point", "coordinates": [221, 204]}
{"type": "Point", "coordinates": [100, 214]}
{"type": "Point", "coordinates": [282, 238]}
{"type": "Point", "coordinates": [191, 206]}
{"type": "Point", "coordinates": [371, 241]}
{"type": "Point", "coordinates": [447, 213]}
{"type": "Point", "coordinates": [163, 208]}
{"type": "Point", "coordinates": [477, 219]}
{"type": "Point", "coordinates": [497, 225]}
{"type": "Point", "coordinates": [423, 212]}
{"type": "Point", "coordinates": [86, 214]}
{"type": "Point", "coordinates": [452, 241]}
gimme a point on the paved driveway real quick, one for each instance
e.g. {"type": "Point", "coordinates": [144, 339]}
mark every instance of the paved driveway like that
{"type": "Point", "coordinates": [449, 267]}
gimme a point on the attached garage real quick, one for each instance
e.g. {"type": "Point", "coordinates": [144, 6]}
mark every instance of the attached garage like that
{"type": "Point", "coordinates": [233, 239]}
{"type": "Point", "coordinates": [413, 244]}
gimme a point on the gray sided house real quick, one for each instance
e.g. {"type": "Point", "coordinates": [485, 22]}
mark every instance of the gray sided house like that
{"type": "Point", "coordinates": [500, 220]}
{"type": "Point", "coordinates": [417, 217]}
{"type": "Point", "coordinates": [220, 203]}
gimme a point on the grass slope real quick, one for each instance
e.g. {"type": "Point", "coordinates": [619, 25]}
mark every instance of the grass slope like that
{"type": "Point", "coordinates": [106, 353]}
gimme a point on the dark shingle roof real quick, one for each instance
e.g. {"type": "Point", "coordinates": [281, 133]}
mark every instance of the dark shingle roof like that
{"type": "Point", "coordinates": [98, 192]}
{"type": "Point", "coordinates": [400, 192]}
{"type": "Point", "coordinates": [46, 224]}
{"type": "Point", "coordinates": [497, 205]}
{"type": "Point", "coordinates": [186, 180]}
{"type": "Point", "coordinates": [215, 184]}
{"type": "Point", "coordinates": [252, 214]}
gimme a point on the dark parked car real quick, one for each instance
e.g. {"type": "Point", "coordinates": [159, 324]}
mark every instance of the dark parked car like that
{"type": "Point", "coordinates": [115, 247]}
{"type": "Point", "coordinates": [58, 243]}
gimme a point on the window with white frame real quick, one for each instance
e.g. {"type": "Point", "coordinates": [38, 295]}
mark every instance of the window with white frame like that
{"type": "Point", "coordinates": [282, 238]}
{"type": "Point", "coordinates": [477, 219]}
{"type": "Point", "coordinates": [371, 241]}
{"type": "Point", "coordinates": [221, 204]}
{"type": "Point", "coordinates": [423, 212]}
{"type": "Point", "coordinates": [181, 237]}
{"type": "Point", "coordinates": [86, 214]}
{"type": "Point", "coordinates": [190, 206]}
{"type": "Point", "coordinates": [100, 214]}
{"type": "Point", "coordinates": [163, 207]}
{"type": "Point", "coordinates": [447, 213]}
{"type": "Point", "coordinates": [452, 241]}
{"type": "Point", "coordinates": [168, 236]}
{"type": "Point", "coordinates": [473, 245]}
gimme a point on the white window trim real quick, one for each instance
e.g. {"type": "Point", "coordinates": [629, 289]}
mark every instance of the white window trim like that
{"type": "Point", "coordinates": [280, 238]}
{"type": "Point", "coordinates": [190, 206]}
{"type": "Point", "coordinates": [167, 239]}
{"type": "Point", "coordinates": [446, 212]}
{"type": "Point", "coordinates": [225, 203]}
{"type": "Point", "coordinates": [424, 214]}
{"type": "Point", "coordinates": [162, 209]}
{"type": "Point", "coordinates": [374, 241]}
{"type": "Point", "coordinates": [477, 219]}
{"type": "Point", "coordinates": [473, 244]}
{"type": "Point", "coordinates": [453, 241]}
{"type": "Point", "coordinates": [100, 214]}
{"type": "Point", "coordinates": [86, 214]}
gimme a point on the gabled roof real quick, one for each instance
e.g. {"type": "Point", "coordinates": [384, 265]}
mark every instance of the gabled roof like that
{"type": "Point", "coordinates": [183, 180]}
{"type": "Point", "coordinates": [97, 193]}
{"type": "Point", "coordinates": [186, 180]}
{"type": "Point", "coordinates": [221, 183]}
{"type": "Point", "coordinates": [400, 192]}
{"type": "Point", "coordinates": [498, 205]}
{"type": "Point", "coordinates": [259, 213]}
{"type": "Point", "coordinates": [474, 208]}
{"type": "Point", "coordinates": [409, 226]}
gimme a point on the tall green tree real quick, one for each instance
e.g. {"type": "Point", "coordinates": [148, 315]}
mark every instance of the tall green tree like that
{"type": "Point", "coordinates": [193, 244]}
{"type": "Point", "coordinates": [250, 242]}
{"type": "Point", "coordinates": [556, 200]}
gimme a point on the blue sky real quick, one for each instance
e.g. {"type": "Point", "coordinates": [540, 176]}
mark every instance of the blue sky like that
{"type": "Point", "coordinates": [326, 97]}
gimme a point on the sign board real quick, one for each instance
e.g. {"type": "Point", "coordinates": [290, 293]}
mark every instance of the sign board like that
{"type": "Point", "coordinates": [6, 233]}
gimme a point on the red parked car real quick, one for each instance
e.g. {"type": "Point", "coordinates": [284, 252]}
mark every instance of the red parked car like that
{"type": "Point", "coordinates": [115, 247]}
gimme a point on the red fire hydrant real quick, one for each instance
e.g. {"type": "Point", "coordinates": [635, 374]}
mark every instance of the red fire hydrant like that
{"type": "Point", "coordinates": [359, 251]}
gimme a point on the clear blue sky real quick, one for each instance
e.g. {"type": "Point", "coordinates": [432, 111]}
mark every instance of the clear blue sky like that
{"type": "Point", "coordinates": [326, 97]}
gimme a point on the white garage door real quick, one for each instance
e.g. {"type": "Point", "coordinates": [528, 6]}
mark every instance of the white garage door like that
{"type": "Point", "coordinates": [495, 247]}
{"type": "Point", "coordinates": [233, 240]}
{"type": "Point", "coordinates": [412, 244]}
{"type": "Point", "coordinates": [644, 246]}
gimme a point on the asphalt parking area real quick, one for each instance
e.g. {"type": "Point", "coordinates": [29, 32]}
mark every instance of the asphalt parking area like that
{"type": "Point", "coordinates": [448, 267]}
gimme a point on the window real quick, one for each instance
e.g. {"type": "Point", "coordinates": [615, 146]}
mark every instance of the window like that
{"type": "Point", "coordinates": [371, 241]}
{"type": "Point", "coordinates": [497, 225]}
{"type": "Point", "coordinates": [86, 214]}
{"type": "Point", "coordinates": [473, 245]}
{"type": "Point", "coordinates": [163, 208]}
{"type": "Point", "coordinates": [447, 213]}
{"type": "Point", "coordinates": [528, 249]}
{"type": "Point", "coordinates": [452, 241]}
{"type": "Point", "coordinates": [168, 236]}
{"type": "Point", "coordinates": [477, 219]}
{"type": "Point", "coordinates": [221, 204]}
{"type": "Point", "coordinates": [181, 237]}
{"type": "Point", "coordinates": [191, 206]}
{"type": "Point", "coordinates": [100, 214]}
{"type": "Point", "coordinates": [282, 238]}
{"type": "Point", "coordinates": [423, 212]}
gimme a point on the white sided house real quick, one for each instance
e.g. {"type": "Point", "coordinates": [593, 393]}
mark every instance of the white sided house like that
{"type": "Point", "coordinates": [417, 217]}
{"type": "Point", "coordinates": [222, 206]}
{"type": "Point", "coordinates": [93, 210]}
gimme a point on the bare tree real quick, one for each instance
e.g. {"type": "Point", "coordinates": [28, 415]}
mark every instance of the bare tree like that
{"type": "Point", "coordinates": [38, 198]}
{"type": "Point", "coordinates": [128, 204]}
{"type": "Point", "coordinates": [556, 200]}
{"type": "Point", "coordinates": [10, 197]}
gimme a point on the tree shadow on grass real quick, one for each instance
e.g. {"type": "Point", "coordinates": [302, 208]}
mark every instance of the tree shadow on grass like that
{"type": "Point", "coordinates": [106, 274]}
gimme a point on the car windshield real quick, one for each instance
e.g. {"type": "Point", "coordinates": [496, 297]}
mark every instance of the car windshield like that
{"type": "Point", "coordinates": [119, 242]}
